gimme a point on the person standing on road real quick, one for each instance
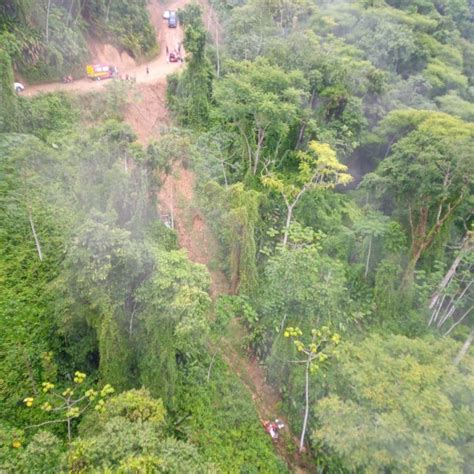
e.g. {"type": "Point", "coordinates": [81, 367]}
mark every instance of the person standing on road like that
{"type": "Point", "coordinates": [147, 70]}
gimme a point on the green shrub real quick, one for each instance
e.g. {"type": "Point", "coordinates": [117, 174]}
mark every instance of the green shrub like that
{"type": "Point", "coordinates": [220, 419]}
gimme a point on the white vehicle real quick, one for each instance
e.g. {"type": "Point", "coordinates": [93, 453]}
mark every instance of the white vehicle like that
{"type": "Point", "coordinates": [18, 87]}
{"type": "Point", "coordinates": [166, 14]}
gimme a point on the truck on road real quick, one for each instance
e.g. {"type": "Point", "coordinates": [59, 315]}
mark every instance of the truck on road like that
{"type": "Point", "coordinates": [97, 72]}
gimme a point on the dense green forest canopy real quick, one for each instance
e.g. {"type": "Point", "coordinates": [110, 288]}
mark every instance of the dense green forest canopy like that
{"type": "Point", "coordinates": [332, 145]}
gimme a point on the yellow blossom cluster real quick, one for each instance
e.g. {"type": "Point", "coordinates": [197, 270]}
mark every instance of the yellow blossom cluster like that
{"type": "Point", "coordinates": [47, 386]}
{"type": "Point", "coordinates": [91, 394]}
{"type": "Point", "coordinates": [73, 412]}
{"type": "Point", "coordinates": [292, 332]}
{"type": "Point", "coordinates": [100, 405]}
{"type": "Point", "coordinates": [28, 401]}
{"type": "Point", "coordinates": [107, 390]}
{"type": "Point", "coordinates": [69, 392]}
{"type": "Point", "coordinates": [299, 346]}
{"type": "Point", "coordinates": [79, 377]}
{"type": "Point", "coordinates": [46, 406]}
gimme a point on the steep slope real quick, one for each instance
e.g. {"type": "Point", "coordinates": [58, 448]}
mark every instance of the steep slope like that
{"type": "Point", "coordinates": [148, 116]}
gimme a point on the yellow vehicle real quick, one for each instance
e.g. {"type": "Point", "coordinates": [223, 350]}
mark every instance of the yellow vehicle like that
{"type": "Point", "coordinates": [97, 72]}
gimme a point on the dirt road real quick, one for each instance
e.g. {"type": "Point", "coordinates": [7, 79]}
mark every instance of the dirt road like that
{"type": "Point", "coordinates": [158, 68]}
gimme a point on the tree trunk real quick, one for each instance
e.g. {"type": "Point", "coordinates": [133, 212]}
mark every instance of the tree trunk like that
{"type": "Point", "coordinates": [68, 420]}
{"type": "Point", "coordinates": [306, 408]}
{"type": "Point", "coordinates": [459, 321]}
{"type": "Point", "coordinates": [418, 245]}
{"type": "Point", "coordinates": [225, 174]}
{"type": "Point", "coordinates": [79, 11]}
{"type": "Point", "coordinates": [30, 371]}
{"type": "Point", "coordinates": [369, 251]}
{"type": "Point", "coordinates": [47, 21]}
{"type": "Point", "coordinates": [260, 139]}
{"type": "Point", "coordinates": [38, 246]}
{"type": "Point", "coordinates": [287, 225]}
{"type": "Point", "coordinates": [407, 278]}
{"type": "Point", "coordinates": [108, 11]}
{"type": "Point", "coordinates": [130, 328]}
{"type": "Point", "coordinates": [451, 307]}
{"type": "Point", "coordinates": [247, 144]}
{"type": "Point", "coordinates": [423, 238]}
{"type": "Point", "coordinates": [464, 348]}
{"type": "Point", "coordinates": [69, 13]}
{"type": "Point", "coordinates": [218, 65]}
{"type": "Point", "coordinates": [450, 273]}
{"type": "Point", "coordinates": [305, 122]}
{"type": "Point", "coordinates": [235, 279]}
{"type": "Point", "coordinates": [212, 361]}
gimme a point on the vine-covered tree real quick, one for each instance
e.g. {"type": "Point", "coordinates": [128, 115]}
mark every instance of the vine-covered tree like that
{"type": "Point", "coordinates": [260, 102]}
{"type": "Point", "coordinates": [318, 168]}
{"type": "Point", "coordinates": [427, 176]}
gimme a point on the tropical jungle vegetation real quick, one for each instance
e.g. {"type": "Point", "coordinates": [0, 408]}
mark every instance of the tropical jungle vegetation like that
{"type": "Point", "coordinates": [332, 143]}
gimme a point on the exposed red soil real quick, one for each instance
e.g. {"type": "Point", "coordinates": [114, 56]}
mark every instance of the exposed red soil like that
{"type": "Point", "coordinates": [177, 197]}
{"type": "Point", "coordinates": [108, 54]}
{"type": "Point", "coordinates": [148, 114]}
{"type": "Point", "coordinates": [158, 68]}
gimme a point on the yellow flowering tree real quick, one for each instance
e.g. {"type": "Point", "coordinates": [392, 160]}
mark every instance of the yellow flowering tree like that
{"type": "Point", "coordinates": [317, 168]}
{"type": "Point", "coordinates": [314, 354]}
{"type": "Point", "coordinates": [69, 403]}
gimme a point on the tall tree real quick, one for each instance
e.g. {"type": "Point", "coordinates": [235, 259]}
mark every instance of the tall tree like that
{"type": "Point", "coordinates": [237, 229]}
{"type": "Point", "coordinates": [260, 102]}
{"type": "Point", "coordinates": [313, 356]}
{"type": "Point", "coordinates": [371, 226]}
{"type": "Point", "coordinates": [427, 176]}
{"type": "Point", "coordinates": [190, 94]}
{"type": "Point", "coordinates": [318, 168]}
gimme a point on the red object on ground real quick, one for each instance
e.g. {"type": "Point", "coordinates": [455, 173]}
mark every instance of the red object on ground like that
{"type": "Point", "coordinates": [271, 428]}
{"type": "Point", "coordinates": [174, 57]}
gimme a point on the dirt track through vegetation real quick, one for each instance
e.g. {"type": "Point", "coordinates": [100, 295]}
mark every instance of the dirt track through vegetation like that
{"type": "Point", "coordinates": [148, 117]}
{"type": "Point", "coordinates": [158, 68]}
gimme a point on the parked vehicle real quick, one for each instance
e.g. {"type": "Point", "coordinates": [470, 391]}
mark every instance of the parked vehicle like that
{"type": "Point", "coordinates": [166, 14]}
{"type": "Point", "coordinates": [19, 87]}
{"type": "Point", "coordinates": [174, 57]}
{"type": "Point", "coordinates": [97, 72]}
{"type": "Point", "coordinates": [172, 20]}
